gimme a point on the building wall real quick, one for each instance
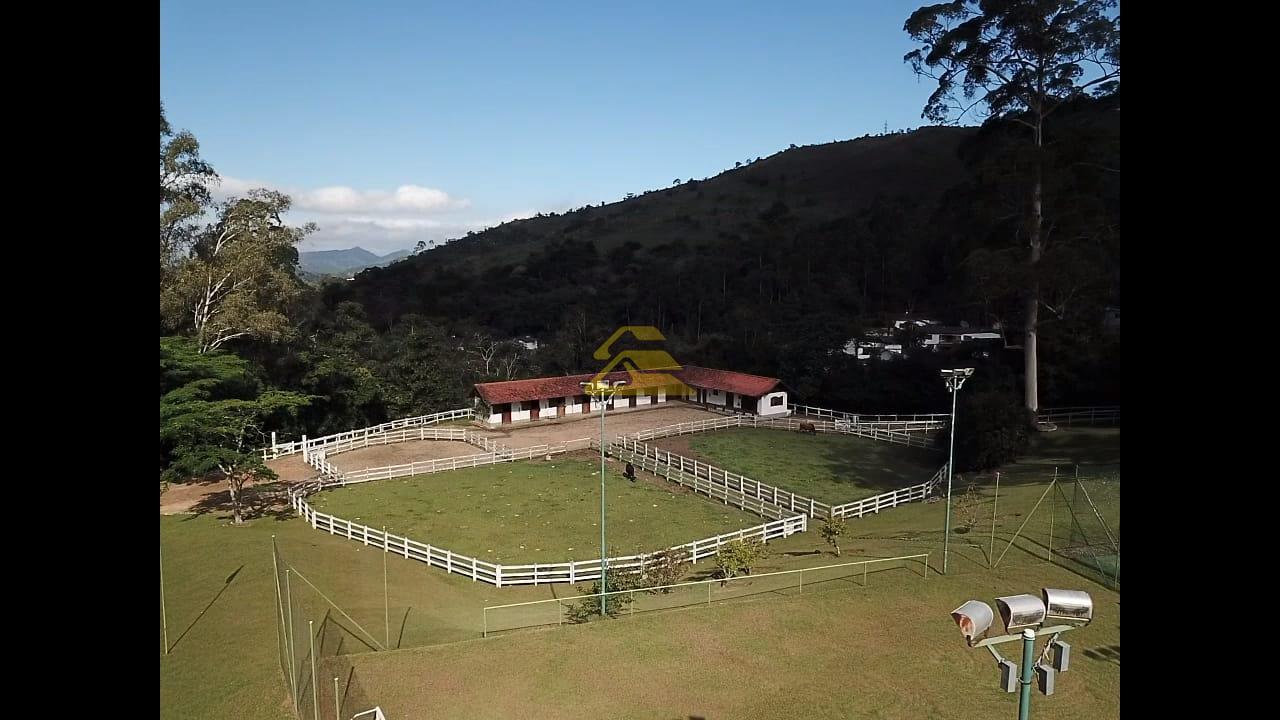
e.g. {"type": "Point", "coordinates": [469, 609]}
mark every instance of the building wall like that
{"type": "Point", "coordinates": [765, 406]}
{"type": "Point", "coordinates": [547, 411]}
{"type": "Point", "coordinates": [520, 411]}
{"type": "Point", "coordinates": [571, 407]}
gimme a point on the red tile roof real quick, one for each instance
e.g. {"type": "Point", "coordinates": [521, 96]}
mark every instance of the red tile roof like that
{"type": "Point", "coordinates": [727, 380]}
{"type": "Point", "coordinates": [497, 393]}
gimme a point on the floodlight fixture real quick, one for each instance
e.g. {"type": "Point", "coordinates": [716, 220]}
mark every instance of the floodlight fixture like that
{"type": "Point", "coordinates": [1074, 605]}
{"type": "Point", "coordinates": [1020, 611]}
{"type": "Point", "coordinates": [973, 618]}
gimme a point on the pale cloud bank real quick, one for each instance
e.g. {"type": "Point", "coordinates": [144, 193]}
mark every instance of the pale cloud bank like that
{"type": "Point", "coordinates": [377, 220]}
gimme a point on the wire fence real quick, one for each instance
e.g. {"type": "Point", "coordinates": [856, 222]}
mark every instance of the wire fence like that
{"type": "Point", "coordinates": [1066, 516]}
{"type": "Point", "coordinates": [313, 634]}
{"type": "Point", "coordinates": [632, 602]}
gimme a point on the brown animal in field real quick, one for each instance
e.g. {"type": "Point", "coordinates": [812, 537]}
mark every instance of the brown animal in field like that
{"type": "Point", "coordinates": [808, 427]}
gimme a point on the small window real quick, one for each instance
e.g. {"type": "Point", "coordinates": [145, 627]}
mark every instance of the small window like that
{"type": "Point", "coordinates": [775, 401]}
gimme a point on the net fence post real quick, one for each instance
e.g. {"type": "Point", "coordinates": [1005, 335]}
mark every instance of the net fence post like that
{"type": "Point", "coordinates": [164, 617]}
{"type": "Point", "coordinates": [315, 690]}
{"type": "Point", "coordinates": [293, 657]}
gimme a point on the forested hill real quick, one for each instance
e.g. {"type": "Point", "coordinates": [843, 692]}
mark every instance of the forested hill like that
{"type": "Point", "coordinates": [804, 221]}
{"type": "Point", "coordinates": [798, 249]}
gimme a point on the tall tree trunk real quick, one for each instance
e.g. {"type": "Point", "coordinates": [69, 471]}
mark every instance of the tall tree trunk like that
{"type": "Point", "coordinates": [235, 500]}
{"type": "Point", "coordinates": [1030, 357]}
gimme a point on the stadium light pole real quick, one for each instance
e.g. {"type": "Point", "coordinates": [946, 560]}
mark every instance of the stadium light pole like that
{"type": "Point", "coordinates": [955, 379]}
{"type": "Point", "coordinates": [604, 391]}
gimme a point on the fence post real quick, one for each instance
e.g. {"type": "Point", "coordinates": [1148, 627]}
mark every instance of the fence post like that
{"type": "Point", "coordinates": [337, 707]}
{"type": "Point", "coordinates": [708, 593]}
{"type": "Point", "coordinates": [305, 456]}
{"type": "Point", "coordinates": [293, 663]}
{"type": "Point", "coordinates": [315, 690]}
{"type": "Point", "coordinates": [273, 442]}
{"type": "Point", "coordinates": [1051, 509]}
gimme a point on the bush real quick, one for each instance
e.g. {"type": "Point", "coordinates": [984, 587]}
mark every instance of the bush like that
{"type": "Point", "coordinates": [665, 568]}
{"type": "Point", "coordinates": [614, 605]}
{"type": "Point", "coordinates": [994, 429]}
{"type": "Point", "coordinates": [739, 556]}
{"type": "Point", "coordinates": [832, 528]}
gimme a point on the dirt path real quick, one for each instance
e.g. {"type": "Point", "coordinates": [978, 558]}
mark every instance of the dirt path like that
{"type": "Point", "coordinates": [616, 423]}
{"type": "Point", "coordinates": [401, 453]}
{"type": "Point", "coordinates": [213, 495]}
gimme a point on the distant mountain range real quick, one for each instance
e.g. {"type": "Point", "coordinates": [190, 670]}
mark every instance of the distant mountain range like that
{"type": "Point", "coordinates": [345, 263]}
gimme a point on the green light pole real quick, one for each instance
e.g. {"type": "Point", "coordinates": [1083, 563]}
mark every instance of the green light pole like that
{"type": "Point", "coordinates": [954, 379]}
{"type": "Point", "coordinates": [604, 392]}
{"type": "Point", "coordinates": [1028, 672]}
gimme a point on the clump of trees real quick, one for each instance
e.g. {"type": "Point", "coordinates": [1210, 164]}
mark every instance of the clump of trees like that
{"type": "Point", "coordinates": [994, 429]}
{"type": "Point", "coordinates": [660, 569]}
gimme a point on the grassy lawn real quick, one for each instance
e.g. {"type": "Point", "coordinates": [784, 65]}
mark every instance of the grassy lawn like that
{"type": "Point", "coordinates": [888, 650]}
{"type": "Point", "coordinates": [535, 511]}
{"type": "Point", "coordinates": [827, 467]}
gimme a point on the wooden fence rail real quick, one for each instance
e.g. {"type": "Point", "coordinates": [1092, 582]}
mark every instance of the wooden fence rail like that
{"type": "Point", "coordinates": [823, 426]}
{"type": "Point", "coordinates": [1100, 415]}
{"type": "Point", "coordinates": [531, 574]}
{"type": "Point", "coordinates": [741, 490]}
{"type": "Point", "coordinates": [328, 441]}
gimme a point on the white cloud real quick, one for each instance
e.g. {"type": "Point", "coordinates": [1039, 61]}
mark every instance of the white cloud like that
{"type": "Point", "coordinates": [341, 199]}
{"type": "Point", "coordinates": [377, 220]}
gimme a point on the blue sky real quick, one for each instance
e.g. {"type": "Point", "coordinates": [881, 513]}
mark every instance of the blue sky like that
{"type": "Point", "coordinates": [392, 122]}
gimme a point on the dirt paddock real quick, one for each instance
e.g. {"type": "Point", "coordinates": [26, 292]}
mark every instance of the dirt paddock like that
{"type": "Point", "coordinates": [588, 426]}
{"type": "Point", "coordinates": [191, 497]}
{"type": "Point", "coordinates": [401, 453]}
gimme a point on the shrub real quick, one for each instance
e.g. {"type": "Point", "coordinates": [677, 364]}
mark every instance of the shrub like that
{"type": "Point", "coordinates": [614, 605]}
{"type": "Point", "coordinates": [993, 429]}
{"type": "Point", "coordinates": [831, 530]}
{"type": "Point", "coordinates": [665, 568]}
{"type": "Point", "coordinates": [739, 556]}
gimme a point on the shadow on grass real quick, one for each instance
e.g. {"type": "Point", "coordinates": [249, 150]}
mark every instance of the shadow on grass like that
{"type": "Point", "coordinates": [226, 584]}
{"type": "Point", "coordinates": [878, 466]}
{"type": "Point", "coordinates": [1107, 654]}
{"type": "Point", "coordinates": [269, 500]}
{"type": "Point", "coordinates": [404, 622]}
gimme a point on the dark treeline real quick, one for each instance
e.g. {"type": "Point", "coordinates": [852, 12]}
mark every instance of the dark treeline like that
{"type": "Point", "coordinates": [773, 280]}
{"type": "Point", "coordinates": [770, 268]}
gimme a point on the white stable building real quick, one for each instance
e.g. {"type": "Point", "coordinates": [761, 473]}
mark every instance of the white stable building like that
{"type": "Point", "coordinates": [552, 398]}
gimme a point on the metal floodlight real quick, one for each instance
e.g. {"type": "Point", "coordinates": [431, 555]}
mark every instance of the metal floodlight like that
{"type": "Point", "coordinates": [1020, 611]}
{"type": "Point", "coordinates": [973, 618]}
{"type": "Point", "coordinates": [1068, 604]}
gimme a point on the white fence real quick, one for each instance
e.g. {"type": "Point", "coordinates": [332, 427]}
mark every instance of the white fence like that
{"type": "Point", "coordinates": [328, 441]}
{"type": "Point", "coordinates": [836, 426]}
{"type": "Point", "coordinates": [503, 575]}
{"type": "Point", "coordinates": [425, 467]}
{"type": "Point", "coordinates": [901, 423]}
{"type": "Point", "coordinates": [1099, 415]}
{"type": "Point", "coordinates": [685, 594]}
{"type": "Point", "coordinates": [687, 472]}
